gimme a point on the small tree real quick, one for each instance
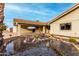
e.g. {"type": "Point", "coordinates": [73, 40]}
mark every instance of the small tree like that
{"type": "Point", "coordinates": [2, 26]}
{"type": "Point", "coordinates": [37, 20]}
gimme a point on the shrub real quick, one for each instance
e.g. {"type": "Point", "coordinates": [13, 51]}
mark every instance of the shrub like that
{"type": "Point", "coordinates": [36, 37]}
{"type": "Point", "coordinates": [3, 26]}
{"type": "Point", "coordinates": [72, 40]}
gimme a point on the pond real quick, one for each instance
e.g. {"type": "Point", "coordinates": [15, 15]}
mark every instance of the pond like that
{"type": "Point", "coordinates": [19, 48]}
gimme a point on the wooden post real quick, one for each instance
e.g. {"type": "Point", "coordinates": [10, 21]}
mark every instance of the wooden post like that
{"type": "Point", "coordinates": [1, 22]}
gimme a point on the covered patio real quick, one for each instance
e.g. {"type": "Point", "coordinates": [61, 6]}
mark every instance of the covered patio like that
{"type": "Point", "coordinates": [24, 27]}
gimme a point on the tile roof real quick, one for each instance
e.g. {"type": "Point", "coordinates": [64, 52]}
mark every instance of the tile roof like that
{"type": "Point", "coordinates": [21, 21]}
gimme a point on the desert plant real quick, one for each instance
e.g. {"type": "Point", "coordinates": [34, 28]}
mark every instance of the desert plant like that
{"type": "Point", "coordinates": [3, 26]}
{"type": "Point", "coordinates": [72, 40]}
{"type": "Point", "coordinates": [36, 36]}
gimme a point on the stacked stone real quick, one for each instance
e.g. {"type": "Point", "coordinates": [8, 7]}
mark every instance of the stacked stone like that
{"type": "Point", "coordinates": [1, 21]}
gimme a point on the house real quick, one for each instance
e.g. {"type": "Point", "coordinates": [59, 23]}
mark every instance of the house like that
{"type": "Point", "coordinates": [66, 24]}
{"type": "Point", "coordinates": [26, 26]}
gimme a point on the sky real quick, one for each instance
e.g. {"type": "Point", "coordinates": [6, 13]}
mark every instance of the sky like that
{"type": "Point", "coordinates": [43, 12]}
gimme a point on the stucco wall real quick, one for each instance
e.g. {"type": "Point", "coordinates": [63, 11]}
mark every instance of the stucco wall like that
{"type": "Point", "coordinates": [25, 31]}
{"type": "Point", "coordinates": [72, 17]}
{"type": "Point", "coordinates": [22, 31]}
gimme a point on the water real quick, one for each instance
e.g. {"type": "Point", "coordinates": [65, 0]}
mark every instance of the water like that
{"type": "Point", "coordinates": [19, 48]}
{"type": "Point", "coordinates": [9, 49]}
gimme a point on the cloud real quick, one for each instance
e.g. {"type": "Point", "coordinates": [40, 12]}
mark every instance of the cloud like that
{"type": "Point", "coordinates": [12, 7]}
{"type": "Point", "coordinates": [41, 10]}
{"type": "Point", "coordinates": [8, 22]}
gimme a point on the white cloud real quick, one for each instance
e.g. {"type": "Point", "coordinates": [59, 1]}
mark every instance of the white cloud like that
{"type": "Point", "coordinates": [8, 22]}
{"type": "Point", "coordinates": [40, 11]}
{"type": "Point", "coordinates": [12, 7]}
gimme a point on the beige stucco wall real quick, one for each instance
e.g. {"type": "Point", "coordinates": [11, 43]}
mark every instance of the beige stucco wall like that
{"type": "Point", "coordinates": [22, 31]}
{"type": "Point", "coordinates": [45, 29]}
{"type": "Point", "coordinates": [25, 31]}
{"type": "Point", "coordinates": [72, 17]}
{"type": "Point", "coordinates": [14, 30]}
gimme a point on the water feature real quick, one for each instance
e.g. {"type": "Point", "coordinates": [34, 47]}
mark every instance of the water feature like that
{"type": "Point", "coordinates": [9, 49]}
{"type": "Point", "coordinates": [20, 48]}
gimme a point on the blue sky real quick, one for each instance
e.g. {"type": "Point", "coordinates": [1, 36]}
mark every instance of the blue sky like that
{"type": "Point", "coordinates": [31, 11]}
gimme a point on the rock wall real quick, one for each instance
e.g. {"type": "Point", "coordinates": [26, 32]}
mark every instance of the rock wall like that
{"type": "Point", "coordinates": [64, 48]}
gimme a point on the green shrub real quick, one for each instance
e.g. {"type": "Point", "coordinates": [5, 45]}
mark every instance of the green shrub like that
{"type": "Point", "coordinates": [36, 37]}
{"type": "Point", "coordinates": [72, 40]}
{"type": "Point", "coordinates": [3, 26]}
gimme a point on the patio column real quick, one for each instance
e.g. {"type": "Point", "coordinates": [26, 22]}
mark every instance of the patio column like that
{"type": "Point", "coordinates": [44, 29]}
{"type": "Point", "coordinates": [19, 29]}
{"type": "Point", "coordinates": [1, 22]}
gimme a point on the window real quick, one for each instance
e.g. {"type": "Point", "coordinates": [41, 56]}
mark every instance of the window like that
{"type": "Point", "coordinates": [65, 26]}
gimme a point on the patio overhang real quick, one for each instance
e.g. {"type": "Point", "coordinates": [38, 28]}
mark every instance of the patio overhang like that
{"type": "Point", "coordinates": [29, 23]}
